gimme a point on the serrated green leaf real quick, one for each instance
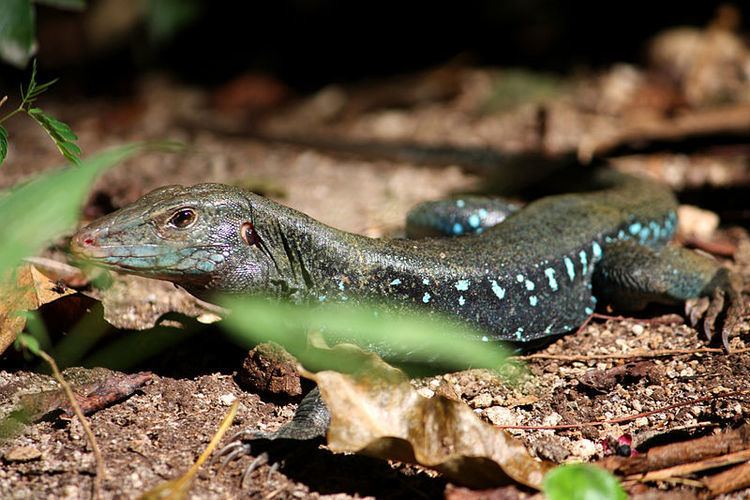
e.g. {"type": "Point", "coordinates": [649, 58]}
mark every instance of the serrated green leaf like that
{"type": "Point", "coordinates": [62, 129]}
{"type": "Point", "coordinates": [582, 482]}
{"type": "Point", "coordinates": [64, 4]}
{"type": "Point", "coordinates": [70, 146]}
{"type": "Point", "coordinates": [3, 144]}
{"type": "Point", "coordinates": [59, 132]}
{"type": "Point", "coordinates": [17, 32]}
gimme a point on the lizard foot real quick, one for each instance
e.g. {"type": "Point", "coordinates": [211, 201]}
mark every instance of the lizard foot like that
{"type": "Point", "coordinates": [308, 425]}
{"type": "Point", "coordinates": [722, 310]}
{"type": "Point", "coordinates": [240, 445]}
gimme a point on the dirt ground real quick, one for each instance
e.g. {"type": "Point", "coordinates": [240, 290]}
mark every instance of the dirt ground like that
{"type": "Point", "coordinates": [158, 432]}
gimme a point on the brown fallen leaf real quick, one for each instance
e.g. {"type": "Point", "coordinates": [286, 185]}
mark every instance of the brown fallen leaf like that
{"type": "Point", "coordinates": [31, 290]}
{"type": "Point", "coordinates": [135, 303]}
{"type": "Point", "coordinates": [733, 479]}
{"type": "Point", "coordinates": [385, 417]}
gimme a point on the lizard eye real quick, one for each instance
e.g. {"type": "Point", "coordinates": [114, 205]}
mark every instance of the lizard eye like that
{"type": "Point", "coordinates": [249, 235]}
{"type": "Point", "coordinates": [183, 218]}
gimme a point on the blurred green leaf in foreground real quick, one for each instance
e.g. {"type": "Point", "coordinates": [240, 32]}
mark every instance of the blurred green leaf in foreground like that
{"type": "Point", "coordinates": [582, 482]}
{"type": "Point", "coordinates": [426, 343]}
{"type": "Point", "coordinates": [48, 206]}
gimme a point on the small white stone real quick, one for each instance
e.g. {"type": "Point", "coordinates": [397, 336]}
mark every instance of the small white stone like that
{"type": "Point", "coordinates": [425, 392]}
{"type": "Point", "coordinates": [499, 415]}
{"type": "Point", "coordinates": [227, 399]}
{"type": "Point", "coordinates": [553, 418]}
{"type": "Point", "coordinates": [584, 448]}
{"type": "Point", "coordinates": [481, 401]}
{"type": "Point", "coordinates": [637, 329]}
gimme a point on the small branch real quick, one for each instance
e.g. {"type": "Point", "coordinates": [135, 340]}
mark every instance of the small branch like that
{"type": "Point", "coordinates": [620, 420]}
{"type": "Point", "coordinates": [11, 114]}
{"type": "Point", "coordinates": [100, 469]}
{"type": "Point", "coordinates": [690, 468]}
{"type": "Point", "coordinates": [638, 353]}
{"type": "Point", "coordinates": [3, 100]}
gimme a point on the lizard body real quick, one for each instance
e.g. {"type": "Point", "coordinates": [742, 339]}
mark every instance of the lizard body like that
{"type": "Point", "coordinates": [530, 276]}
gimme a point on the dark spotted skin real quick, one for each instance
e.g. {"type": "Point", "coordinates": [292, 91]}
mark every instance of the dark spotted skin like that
{"type": "Point", "coordinates": [528, 277]}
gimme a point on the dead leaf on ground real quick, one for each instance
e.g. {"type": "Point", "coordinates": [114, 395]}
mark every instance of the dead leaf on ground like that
{"type": "Point", "coordinates": [31, 290]}
{"type": "Point", "coordinates": [388, 419]}
{"type": "Point", "coordinates": [135, 303]}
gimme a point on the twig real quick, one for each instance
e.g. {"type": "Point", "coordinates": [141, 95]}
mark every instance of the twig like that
{"type": "Point", "coordinates": [626, 418]}
{"type": "Point", "coordinates": [100, 468]}
{"type": "Point", "coordinates": [683, 469]}
{"type": "Point", "coordinates": [638, 353]}
{"type": "Point", "coordinates": [731, 119]}
{"type": "Point", "coordinates": [2, 101]}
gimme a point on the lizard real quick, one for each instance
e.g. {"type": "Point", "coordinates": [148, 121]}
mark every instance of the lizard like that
{"type": "Point", "coordinates": [518, 274]}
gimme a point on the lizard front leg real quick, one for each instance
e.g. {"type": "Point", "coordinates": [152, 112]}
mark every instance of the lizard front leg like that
{"type": "Point", "coordinates": [631, 275]}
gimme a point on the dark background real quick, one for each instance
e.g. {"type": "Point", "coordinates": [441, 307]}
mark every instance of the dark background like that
{"type": "Point", "coordinates": [308, 43]}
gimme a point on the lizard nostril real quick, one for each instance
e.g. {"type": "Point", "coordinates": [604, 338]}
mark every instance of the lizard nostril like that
{"type": "Point", "coordinates": [88, 241]}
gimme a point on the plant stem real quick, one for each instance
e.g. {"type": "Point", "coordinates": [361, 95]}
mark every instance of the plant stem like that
{"type": "Point", "coordinates": [15, 111]}
{"type": "Point", "coordinates": [100, 469]}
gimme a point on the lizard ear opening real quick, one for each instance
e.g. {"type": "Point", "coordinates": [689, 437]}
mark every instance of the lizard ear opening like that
{"type": "Point", "coordinates": [249, 234]}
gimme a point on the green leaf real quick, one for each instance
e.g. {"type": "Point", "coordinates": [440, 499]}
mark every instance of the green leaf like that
{"type": "Point", "coordinates": [582, 482]}
{"type": "Point", "coordinates": [17, 32]}
{"type": "Point", "coordinates": [26, 341]}
{"type": "Point", "coordinates": [426, 343]}
{"type": "Point", "coordinates": [64, 4]}
{"type": "Point", "coordinates": [41, 210]}
{"type": "Point", "coordinates": [59, 132]}
{"type": "Point", "coordinates": [3, 144]}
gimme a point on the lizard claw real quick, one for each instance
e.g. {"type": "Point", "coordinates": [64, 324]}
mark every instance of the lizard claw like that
{"type": "Point", "coordinates": [231, 451]}
{"type": "Point", "coordinates": [725, 306]}
{"type": "Point", "coordinates": [695, 309]}
{"type": "Point", "coordinates": [261, 459]}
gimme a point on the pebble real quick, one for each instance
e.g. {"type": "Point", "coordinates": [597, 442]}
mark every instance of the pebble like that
{"type": "Point", "coordinates": [483, 400]}
{"type": "Point", "coordinates": [425, 392]}
{"type": "Point", "coordinates": [499, 415]}
{"type": "Point", "coordinates": [22, 454]}
{"type": "Point", "coordinates": [227, 399]}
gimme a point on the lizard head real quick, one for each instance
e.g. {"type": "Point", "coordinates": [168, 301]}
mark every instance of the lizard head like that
{"type": "Point", "coordinates": [199, 237]}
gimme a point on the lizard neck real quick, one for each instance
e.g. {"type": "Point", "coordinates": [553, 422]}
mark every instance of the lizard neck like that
{"type": "Point", "coordinates": [307, 257]}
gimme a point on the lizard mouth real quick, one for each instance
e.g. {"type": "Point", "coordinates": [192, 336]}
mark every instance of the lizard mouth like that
{"type": "Point", "coordinates": [150, 260]}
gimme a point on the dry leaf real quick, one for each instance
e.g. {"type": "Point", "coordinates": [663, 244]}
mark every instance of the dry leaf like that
{"type": "Point", "coordinates": [31, 290]}
{"type": "Point", "coordinates": [135, 303]}
{"type": "Point", "coordinates": [389, 419]}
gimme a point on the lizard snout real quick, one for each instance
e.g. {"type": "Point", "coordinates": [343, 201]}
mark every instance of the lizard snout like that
{"type": "Point", "coordinates": [85, 243]}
